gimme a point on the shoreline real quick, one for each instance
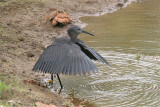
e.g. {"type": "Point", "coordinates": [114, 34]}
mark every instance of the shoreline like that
{"type": "Point", "coordinates": [109, 8]}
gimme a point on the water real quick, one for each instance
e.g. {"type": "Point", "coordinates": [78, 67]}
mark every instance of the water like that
{"type": "Point", "coordinates": [120, 36]}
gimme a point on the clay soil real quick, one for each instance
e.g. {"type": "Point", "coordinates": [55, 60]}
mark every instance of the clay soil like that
{"type": "Point", "coordinates": [24, 34]}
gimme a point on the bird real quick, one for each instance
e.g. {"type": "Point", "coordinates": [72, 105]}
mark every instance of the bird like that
{"type": "Point", "coordinates": [68, 55]}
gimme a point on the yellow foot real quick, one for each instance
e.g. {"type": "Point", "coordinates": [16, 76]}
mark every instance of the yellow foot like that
{"type": "Point", "coordinates": [50, 82]}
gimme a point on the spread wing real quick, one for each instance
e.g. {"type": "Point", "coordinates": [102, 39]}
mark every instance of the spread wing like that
{"type": "Point", "coordinates": [90, 52]}
{"type": "Point", "coordinates": [66, 58]}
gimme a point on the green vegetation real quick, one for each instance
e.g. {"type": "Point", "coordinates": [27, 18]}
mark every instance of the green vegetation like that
{"type": "Point", "coordinates": [3, 87]}
{"type": "Point", "coordinates": [6, 105]}
{"type": "Point", "coordinates": [8, 85]}
{"type": "Point", "coordinates": [5, 34]}
{"type": "Point", "coordinates": [68, 103]}
{"type": "Point", "coordinates": [138, 56]}
{"type": "Point", "coordinates": [1, 28]}
{"type": "Point", "coordinates": [3, 31]}
{"type": "Point", "coordinates": [1, 41]}
{"type": "Point", "coordinates": [11, 82]}
{"type": "Point", "coordinates": [4, 4]}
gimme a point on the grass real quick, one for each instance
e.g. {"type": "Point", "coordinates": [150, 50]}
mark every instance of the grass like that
{"type": "Point", "coordinates": [4, 4]}
{"type": "Point", "coordinates": [16, 84]}
{"type": "Point", "coordinates": [3, 87]}
{"type": "Point", "coordinates": [3, 31]}
{"type": "Point", "coordinates": [7, 85]}
{"type": "Point", "coordinates": [1, 41]}
{"type": "Point", "coordinates": [6, 105]}
{"type": "Point", "coordinates": [1, 28]}
{"type": "Point", "coordinates": [5, 34]}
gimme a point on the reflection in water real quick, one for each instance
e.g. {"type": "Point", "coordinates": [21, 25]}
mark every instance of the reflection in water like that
{"type": "Point", "coordinates": [120, 36]}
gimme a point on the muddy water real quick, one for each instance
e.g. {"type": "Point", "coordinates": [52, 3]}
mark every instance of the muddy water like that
{"type": "Point", "coordinates": [121, 37]}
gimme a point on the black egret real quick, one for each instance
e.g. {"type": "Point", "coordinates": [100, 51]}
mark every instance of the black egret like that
{"type": "Point", "coordinates": [68, 55]}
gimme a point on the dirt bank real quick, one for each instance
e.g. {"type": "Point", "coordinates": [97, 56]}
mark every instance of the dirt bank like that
{"type": "Point", "coordinates": [24, 34]}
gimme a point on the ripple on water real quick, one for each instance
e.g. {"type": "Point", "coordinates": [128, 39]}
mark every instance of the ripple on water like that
{"type": "Point", "coordinates": [122, 86]}
{"type": "Point", "coordinates": [128, 82]}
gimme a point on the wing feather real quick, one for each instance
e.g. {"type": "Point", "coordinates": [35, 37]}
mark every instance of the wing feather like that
{"type": "Point", "coordinates": [64, 57]}
{"type": "Point", "coordinates": [41, 65]}
{"type": "Point", "coordinates": [59, 62]}
{"type": "Point", "coordinates": [80, 66]}
{"type": "Point", "coordinates": [72, 64]}
{"type": "Point", "coordinates": [47, 66]}
{"type": "Point", "coordinates": [83, 67]}
{"type": "Point", "coordinates": [90, 52]}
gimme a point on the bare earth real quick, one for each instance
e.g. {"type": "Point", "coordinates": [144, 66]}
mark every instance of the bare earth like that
{"type": "Point", "coordinates": [24, 34]}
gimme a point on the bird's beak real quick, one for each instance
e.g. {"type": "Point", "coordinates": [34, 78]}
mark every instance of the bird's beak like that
{"type": "Point", "coordinates": [87, 33]}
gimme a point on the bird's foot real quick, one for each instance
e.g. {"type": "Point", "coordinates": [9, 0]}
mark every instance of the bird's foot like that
{"type": "Point", "coordinates": [50, 82]}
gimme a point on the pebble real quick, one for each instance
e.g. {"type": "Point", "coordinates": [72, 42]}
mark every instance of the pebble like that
{"type": "Point", "coordinates": [21, 39]}
{"type": "Point", "coordinates": [30, 54]}
{"type": "Point", "coordinates": [119, 4]}
{"type": "Point", "coordinates": [3, 60]}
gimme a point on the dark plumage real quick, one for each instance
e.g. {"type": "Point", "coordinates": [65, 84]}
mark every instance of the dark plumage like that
{"type": "Point", "coordinates": [68, 56]}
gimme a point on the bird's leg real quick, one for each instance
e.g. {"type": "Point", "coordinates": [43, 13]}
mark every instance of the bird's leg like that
{"type": "Point", "coordinates": [60, 82]}
{"type": "Point", "coordinates": [52, 77]}
{"type": "Point", "coordinates": [51, 81]}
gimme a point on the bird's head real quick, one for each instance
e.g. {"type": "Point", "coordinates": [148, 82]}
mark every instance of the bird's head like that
{"type": "Point", "coordinates": [75, 30]}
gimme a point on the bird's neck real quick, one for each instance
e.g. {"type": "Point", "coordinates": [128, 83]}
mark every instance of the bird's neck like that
{"type": "Point", "coordinates": [73, 36]}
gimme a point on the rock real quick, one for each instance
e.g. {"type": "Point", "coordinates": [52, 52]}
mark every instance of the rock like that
{"type": "Point", "coordinates": [3, 60]}
{"type": "Point", "coordinates": [125, 1]}
{"type": "Point", "coordinates": [9, 23]}
{"type": "Point", "coordinates": [34, 44]}
{"type": "Point", "coordinates": [57, 17]}
{"type": "Point", "coordinates": [119, 4]}
{"type": "Point", "coordinates": [21, 39]}
{"type": "Point", "coordinates": [42, 47]}
{"type": "Point", "coordinates": [29, 54]}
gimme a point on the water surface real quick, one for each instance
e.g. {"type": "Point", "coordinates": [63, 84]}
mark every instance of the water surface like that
{"type": "Point", "coordinates": [120, 36]}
